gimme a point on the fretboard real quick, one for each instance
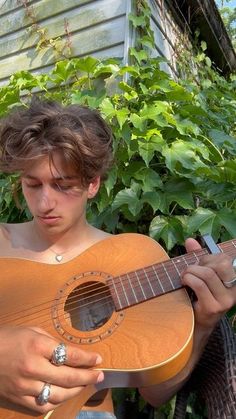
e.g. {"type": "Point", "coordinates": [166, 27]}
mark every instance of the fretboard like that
{"type": "Point", "coordinates": [158, 279]}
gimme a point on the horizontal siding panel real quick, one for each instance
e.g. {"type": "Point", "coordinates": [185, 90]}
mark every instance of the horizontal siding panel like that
{"type": "Point", "coordinates": [90, 42]}
{"type": "Point", "coordinates": [7, 6]}
{"type": "Point", "coordinates": [78, 20]}
{"type": "Point", "coordinates": [166, 34]}
{"type": "Point", "coordinates": [116, 51]}
{"type": "Point", "coordinates": [44, 9]}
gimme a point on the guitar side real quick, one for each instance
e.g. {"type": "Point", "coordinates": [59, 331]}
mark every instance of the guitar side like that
{"type": "Point", "coordinates": [140, 345]}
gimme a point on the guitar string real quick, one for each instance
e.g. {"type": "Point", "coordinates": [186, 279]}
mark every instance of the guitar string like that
{"type": "Point", "coordinates": [48, 320]}
{"type": "Point", "coordinates": [97, 294]}
{"type": "Point", "coordinates": [69, 310]}
{"type": "Point", "coordinates": [119, 278]}
{"type": "Point", "coordinates": [94, 301]}
{"type": "Point", "coordinates": [77, 300]}
{"type": "Point", "coordinates": [115, 279]}
{"type": "Point", "coordinates": [90, 286]}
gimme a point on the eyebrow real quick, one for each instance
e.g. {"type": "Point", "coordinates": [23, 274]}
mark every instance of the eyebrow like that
{"type": "Point", "coordinates": [57, 178]}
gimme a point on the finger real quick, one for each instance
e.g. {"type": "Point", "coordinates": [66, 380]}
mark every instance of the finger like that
{"type": "Point", "coordinates": [64, 376]}
{"type": "Point", "coordinates": [71, 377]}
{"type": "Point", "coordinates": [221, 264]}
{"type": "Point", "coordinates": [191, 245]}
{"type": "Point", "coordinates": [31, 403]}
{"type": "Point", "coordinates": [77, 357]}
{"type": "Point", "coordinates": [68, 379]}
{"type": "Point", "coordinates": [70, 385]}
{"type": "Point", "coordinates": [208, 287]}
{"type": "Point", "coordinates": [59, 395]}
{"type": "Point", "coordinates": [45, 345]}
{"type": "Point", "coordinates": [200, 288]}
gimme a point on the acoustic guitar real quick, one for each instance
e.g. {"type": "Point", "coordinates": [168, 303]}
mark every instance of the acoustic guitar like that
{"type": "Point", "coordinates": [122, 298]}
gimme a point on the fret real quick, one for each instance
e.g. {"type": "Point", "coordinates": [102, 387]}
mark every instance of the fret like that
{"type": "Point", "coordinates": [229, 248]}
{"type": "Point", "coordinates": [168, 276]}
{"type": "Point", "coordinates": [115, 294]}
{"type": "Point", "coordinates": [140, 285]}
{"type": "Point", "coordinates": [196, 257]}
{"type": "Point", "coordinates": [132, 288]}
{"type": "Point", "coordinates": [149, 283]}
{"type": "Point", "coordinates": [124, 292]}
{"type": "Point", "coordinates": [175, 264]}
{"type": "Point", "coordinates": [159, 282]}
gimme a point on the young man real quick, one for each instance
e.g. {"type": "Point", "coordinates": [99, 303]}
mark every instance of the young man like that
{"type": "Point", "coordinates": [61, 155]}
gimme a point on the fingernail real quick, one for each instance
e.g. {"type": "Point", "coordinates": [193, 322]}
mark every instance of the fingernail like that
{"type": "Point", "coordinates": [98, 360]}
{"type": "Point", "coordinates": [100, 377]}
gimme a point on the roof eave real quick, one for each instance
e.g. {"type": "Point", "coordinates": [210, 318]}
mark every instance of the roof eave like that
{"type": "Point", "coordinates": [204, 15]}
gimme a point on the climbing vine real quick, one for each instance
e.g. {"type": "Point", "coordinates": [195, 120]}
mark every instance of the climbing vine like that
{"type": "Point", "coordinates": [174, 171]}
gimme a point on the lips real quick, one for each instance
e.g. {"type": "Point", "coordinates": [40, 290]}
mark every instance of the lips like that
{"type": "Point", "coordinates": [48, 219]}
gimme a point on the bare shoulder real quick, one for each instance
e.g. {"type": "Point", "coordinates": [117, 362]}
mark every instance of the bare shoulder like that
{"type": "Point", "coordinates": [10, 237]}
{"type": "Point", "coordinates": [4, 232]}
{"type": "Point", "coordinates": [97, 235]}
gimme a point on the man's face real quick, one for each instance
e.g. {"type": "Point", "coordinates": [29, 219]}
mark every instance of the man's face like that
{"type": "Point", "coordinates": [54, 195]}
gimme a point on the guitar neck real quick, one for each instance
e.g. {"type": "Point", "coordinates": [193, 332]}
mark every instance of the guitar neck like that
{"type": "Point", "coordinates": [158, 279]}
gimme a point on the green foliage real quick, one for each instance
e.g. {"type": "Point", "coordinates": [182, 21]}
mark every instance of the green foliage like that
{"type": "Point", "coordinates": [228, 15]}
{"type": "Point", "coordinates": [174, 172]}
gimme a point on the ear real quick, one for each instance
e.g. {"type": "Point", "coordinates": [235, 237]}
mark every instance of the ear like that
{"type": "Point", "coordinates": [94, 187]}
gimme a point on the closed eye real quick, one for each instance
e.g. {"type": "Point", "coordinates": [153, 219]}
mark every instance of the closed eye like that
{"type": "Point", "coordinates": [62, 187]}
{"type": "Point", "coordinates": [34, 185]}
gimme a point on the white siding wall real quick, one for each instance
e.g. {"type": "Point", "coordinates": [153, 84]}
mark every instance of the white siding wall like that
{"type": "Point", "coordinates": [96, 28]}
{"type": "Point", "coordinates": [100, 28]}
{"type": "Point", "coordinates": [167, 34]}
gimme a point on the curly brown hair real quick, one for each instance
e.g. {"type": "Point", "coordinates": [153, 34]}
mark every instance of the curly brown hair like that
{"type": "Point", "coordinates": [79, 133]}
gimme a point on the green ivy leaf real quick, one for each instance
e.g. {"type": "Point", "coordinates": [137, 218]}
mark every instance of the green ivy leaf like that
{"type": "Point", "coordinates": [182, 154]}
{"type": "Point", "coordinates": [227, 218]}
{"type": "Point", "coordinates": [180, 191]}
{"type": "Point", "coordinates": [139, 55]}
{"type": "Point", "coordinates": [227, 171]}
{"type": "Point", "coordinates": [130, 198]}
{"type": "Point", "coordinates": [167, 229]}
{"type": "Point", "coordinates": [111, 180]}
{"type": "Point", "coordinates": [148, 146]}
{"type": "Point", "coordinates": [137, 121]}
{"type": "Point", "coordinates": [151, 111]}
{"type": "Point", "coordinates": [222, 139]}
{"type": "Point", "coordinates": [137, 20]}
{"type": "Point", "coordinates": [86, 64]}
{"type": "Point", "coordinates": [185, 126]}
{"type": "Point", "coordinates": [178, 93]}
{"type": "Point", "coordinates": [149, 178]}
{"type": "Point", "coordinates": [122, 115]}
{"type": "Point", "coordinates": [63, 70]}
{"type": "Point", "coordinates": [105, 70]}
{"type": "Point", "coordinates": [153, 199]}
{"type": "Point", "coordinates": [107, 108]}
{"type": "Point", "coordinates": [204, 221]}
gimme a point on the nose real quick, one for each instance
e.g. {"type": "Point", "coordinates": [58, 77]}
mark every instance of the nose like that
{"type": "Point", "coordinates": [46, 200]}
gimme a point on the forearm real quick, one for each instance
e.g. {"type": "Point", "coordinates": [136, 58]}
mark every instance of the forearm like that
{"type": "Point", "coordinates": [159, 394]}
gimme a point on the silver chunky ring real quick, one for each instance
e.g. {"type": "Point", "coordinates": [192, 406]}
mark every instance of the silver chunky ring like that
{"type": "Point", "coordinates": [230, 284]}
{"type": "Point", "coordinates": [59, 355]}
{"type": "Point", "coordinates": [44, 394]}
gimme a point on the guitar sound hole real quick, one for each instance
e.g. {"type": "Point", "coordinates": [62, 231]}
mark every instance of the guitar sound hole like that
{"type": "Point", "coordinates": [89, 306]}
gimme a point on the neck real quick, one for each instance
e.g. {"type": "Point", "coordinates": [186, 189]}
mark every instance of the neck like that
{"type": "Point", "coordinates": [61, 242]}
{"type": "Point", "coordinates": [158, 279]}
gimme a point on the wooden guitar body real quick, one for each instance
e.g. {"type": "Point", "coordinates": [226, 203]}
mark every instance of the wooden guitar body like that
{"type": "Point", "coordinates": [142, 344]}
